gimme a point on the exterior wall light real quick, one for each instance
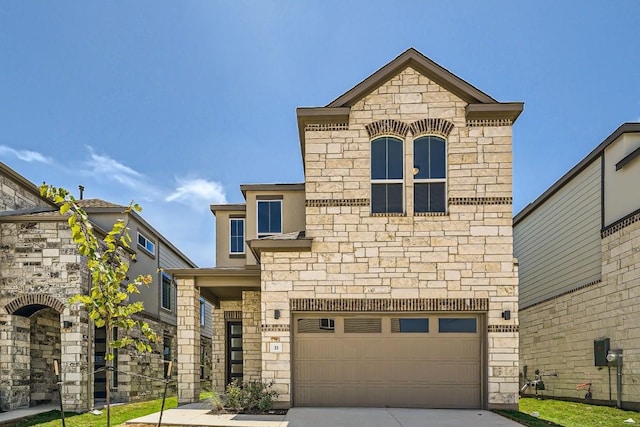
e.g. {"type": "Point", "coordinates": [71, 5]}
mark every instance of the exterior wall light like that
{"type": "Point", "coordinates": [276, 314]}
{"type": "Point", "coordinates": [506, 315]}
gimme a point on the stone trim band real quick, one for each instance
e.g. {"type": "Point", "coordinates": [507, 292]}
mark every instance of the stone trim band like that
{"type": "Point", "coordinates": [275, 328]}
{"type": "Point", "coordinates": [586, 285]}
{"type": "Point", "coordinates": [319, 127]}
{"type": "Point", "coordinates": [503, 328]}
{"type": "Point", "coordinates": [318, 203]}
{"type": "Point", "coordinates": [480, 200]}
{"type": "Point", "coordinates": [389, 305]}
{"type": "Point", "coordinates": [233, 315]}
{"type": "Point", "coordinates": [489, 122]}
{"type": "Point", "coordinates": [34, 299]}
{"type": "Point", "coordinates": [620, 224]}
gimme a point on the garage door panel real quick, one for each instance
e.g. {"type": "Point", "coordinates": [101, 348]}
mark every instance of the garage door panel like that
{"type": "Point", "coordinates": [426, 370]}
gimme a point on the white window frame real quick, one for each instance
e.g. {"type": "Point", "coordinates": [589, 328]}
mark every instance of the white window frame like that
{"type": "Point", "coordinates": [433, 180]}
{"type": "Point", "coordinates": [163, 277]}
{"type": "Point", "coordinates": [281, 217]}
{"type": "Point", "coordinates": [387, 181]}
{"type": "Point", "coordinates": [147, 241]}
{"type": "Point", "coordinates": [244, 228]}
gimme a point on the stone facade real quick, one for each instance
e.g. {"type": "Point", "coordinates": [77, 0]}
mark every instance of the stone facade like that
{"type": "Point", "coordinates": [347, 258]}
{"type": "Point", "coordinates": [558, 335]}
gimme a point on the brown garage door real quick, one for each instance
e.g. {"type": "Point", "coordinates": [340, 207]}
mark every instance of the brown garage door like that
{"type": "Point", "coordinates": [421, 361]}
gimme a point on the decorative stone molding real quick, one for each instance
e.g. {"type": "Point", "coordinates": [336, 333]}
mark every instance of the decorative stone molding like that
{"type": "Point", "coordinates": [386, 127]}
{"type": "Point", "coordinates": [388, 214]}
{"type": "Point", "coordinates": [275, 328]}
{"type": "Point", "coordinates": [480, 200]}
{"type": "Point", "coordinates": [233, 315]}
{"type": "Point", "coordinates": [440, 127]}
{"type": "Point", "coordinates": [586, 285]}
{"type": "Point", "coordinates": [489, 122]}
{"type": "Point", "coordinates": [317, 203]}
{"type": "Point", "coordinates": [318, 127]}
{"type": "Point", "coordinates": [34, 299]}
{"type": "Point", "coordinates": [429, 214]}
{"type": "Point", "coordinates": [389, 305]}
{"type": "Point", "coordinates": [619, 225]}
{"type": "Point", "coordinates": [503, 328]}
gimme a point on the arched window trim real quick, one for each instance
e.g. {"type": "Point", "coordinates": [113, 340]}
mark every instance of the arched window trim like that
{"type": "Point", "coordinates": [400, 181]}
{"type": "Point", "coordinates": [417, 181]}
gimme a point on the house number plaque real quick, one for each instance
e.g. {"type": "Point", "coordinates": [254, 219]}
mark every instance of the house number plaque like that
{"type": "Point", "coordinates": [275, 347]}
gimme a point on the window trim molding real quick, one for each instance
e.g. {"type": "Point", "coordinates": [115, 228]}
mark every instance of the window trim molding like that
{"type": "Point", "coordinates": [244, 228]}
{"type": "Point", "coordinates": [278, 199]}
{"type": "Point", "coordinates": [444, 180]}
{"type": "Point", "coordinates": [168, 277]}
{"type": "Point", "coordinates": [402, 181]}
{"type": "Point", "coordinates": [147, 241]}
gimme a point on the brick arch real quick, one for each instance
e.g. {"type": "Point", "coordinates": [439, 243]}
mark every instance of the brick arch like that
{"type": "Point", "coordinates": [440, 127]}
{"type": "Point", "coordinates": [387, 127]}
{"type": "Point", "coordinates": [45, 300]}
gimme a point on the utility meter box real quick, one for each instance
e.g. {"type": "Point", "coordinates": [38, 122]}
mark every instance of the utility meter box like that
{"type": "Point", "coordinates": [600, 351]}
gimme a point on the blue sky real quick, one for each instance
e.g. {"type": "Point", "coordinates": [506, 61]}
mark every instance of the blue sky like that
{"type": "Point", "coordinates": [174, 104]}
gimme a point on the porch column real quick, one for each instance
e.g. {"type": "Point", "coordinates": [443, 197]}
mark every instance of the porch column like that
{"type": "Point", "coordinates": [188, 341]}
{"type": "Point", "coordinates": [75, 361]}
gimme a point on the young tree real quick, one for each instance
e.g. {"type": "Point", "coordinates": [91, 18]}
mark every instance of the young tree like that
{"type": "Point", "coordinates": [107, 299]}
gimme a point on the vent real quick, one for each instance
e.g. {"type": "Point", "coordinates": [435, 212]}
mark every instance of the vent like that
{"type": "Point", "coordinates": [358, 325]}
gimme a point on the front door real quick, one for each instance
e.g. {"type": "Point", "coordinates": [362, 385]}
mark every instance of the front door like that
{"type": "Point", "coordinates": [100, 378]}
{"type": "Point", "coordinates": [234, 351]}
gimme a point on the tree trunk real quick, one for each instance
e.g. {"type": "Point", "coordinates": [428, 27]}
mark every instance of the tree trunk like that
{"type": "Point", "coordinates": [107, 365]}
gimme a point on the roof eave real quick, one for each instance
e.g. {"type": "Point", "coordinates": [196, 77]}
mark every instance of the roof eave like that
{"type": "Point", "coordinates": [496, 111]}
{"type": "Point", "coordinates": [258, 246]}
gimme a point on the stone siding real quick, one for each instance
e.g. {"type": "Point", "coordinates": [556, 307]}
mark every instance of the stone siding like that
{"type": "Point", "coordinates": [44, 349]}
{"type": "Point", "coordinates": [219, 342]}
{"type": "Point", "coordinates": [557, 335]}
{"type": "Point", "coordinates": [466, 253]}
{"type": "Point", "coordinates": [14, 195]}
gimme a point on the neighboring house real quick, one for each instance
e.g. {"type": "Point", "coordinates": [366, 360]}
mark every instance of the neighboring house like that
{"type": "Point", "coordinates": [387, 278]}
{"type": "Point", "coordinates": [578, 246]}
{"type": "Point", "coordinates": [40, 269]}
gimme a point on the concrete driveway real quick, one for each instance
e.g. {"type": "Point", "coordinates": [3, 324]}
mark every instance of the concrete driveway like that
{"type": "Point", "coordinates": [382, 417]}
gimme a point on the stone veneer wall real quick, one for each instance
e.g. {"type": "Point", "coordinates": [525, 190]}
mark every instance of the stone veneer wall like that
{"type": "Point", "coordinates": [251, 336]}
{"type": "Point", "coordinates": [229, 310]}
{"type": "Point", "coordinates": [14, 196]}
{"type": "Point", "coordinates": [557, 335]}
{"type": "Point", "coordinates": [467, 253]}
{"type": "Point", "coordinates": [39, 265]}
{"type": "Point", "coordinates": [147, 368]}
{"type": "Point", "coordinates": [44, 349]}
{"type": "Point", "coordinates": [206, 380]}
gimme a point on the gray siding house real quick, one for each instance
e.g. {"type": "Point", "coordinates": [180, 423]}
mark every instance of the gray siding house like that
{"type": "Point", "coordinates": [578, 247]}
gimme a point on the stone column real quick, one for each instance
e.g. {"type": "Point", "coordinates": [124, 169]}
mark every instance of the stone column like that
{"type": "Point", "coordinates": [251, 336]}
{"type": "Point", "coordinates": [76, 348]}
{"type": "Point", "coordinates": [188, 341]}
{"type": "Point", "coordinates": [15, 362]}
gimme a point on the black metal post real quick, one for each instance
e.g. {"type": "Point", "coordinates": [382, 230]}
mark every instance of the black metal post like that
{"type": "Point", "coordinates": [164, 395]}
{"type": "Point", "coordinates": [57, 371]}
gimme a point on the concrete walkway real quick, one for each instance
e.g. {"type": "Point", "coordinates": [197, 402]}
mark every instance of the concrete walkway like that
{"type": "Point", "coordinates": [9, 417]}
{"type": "Point", "coordinates": [335, 417]}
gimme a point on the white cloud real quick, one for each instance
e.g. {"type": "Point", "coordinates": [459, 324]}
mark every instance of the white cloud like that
{"type": "Point", "coordinates": [102, 166]}
{"type": "Point", "coordinates": [25, 155]}
{"type": "Point", "coordinates": [197, 192]}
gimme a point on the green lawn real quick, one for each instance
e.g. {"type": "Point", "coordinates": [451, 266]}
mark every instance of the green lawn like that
{"type": "Point", "coordinates": [569, 414]}
{"type": "Point", "coordinates": [119, 414]}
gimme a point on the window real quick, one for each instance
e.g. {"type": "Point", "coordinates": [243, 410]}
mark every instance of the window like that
{"type": "Point", "coordinates": [429, 174]}
{"type": "Point", "coordinates": [203, 318]}
{"type": "Point", "coordinates": [358, 325]}
{"type": "Point", "coordinates": [386, 175]}
{"type": "Point", "coordinates": [166, 291]}
{"type": "Point", "coordinates": [269, 217]}
{"type": "Point", "coordinates": [147, 244]}
{"type": "Point", "coordinates": [457, 325]}
{"type": "Point", "coordinates": [236, 233]}
{"type": "Point", "coordinates": [316, 325]}
{"type": "Point", "coordinates": [407, 325]}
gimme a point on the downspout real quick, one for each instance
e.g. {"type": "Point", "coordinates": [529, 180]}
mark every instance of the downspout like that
{"type": "Point", "coordinates": [616, 356]}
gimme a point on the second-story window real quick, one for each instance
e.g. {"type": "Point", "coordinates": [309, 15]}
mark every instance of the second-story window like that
{"type": "Point", "coordinates": [269, 217]}
{"type": "Point", "coordinates": [165, 291]}
{"type": "Point", "coordinates": [429, 174]}
{"type": "Point", "coordinates": [386, 175]}
{"type": "Point", "coordinates": [236, 234]}
{"type": "Point", "coordinates": [146, 243]}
